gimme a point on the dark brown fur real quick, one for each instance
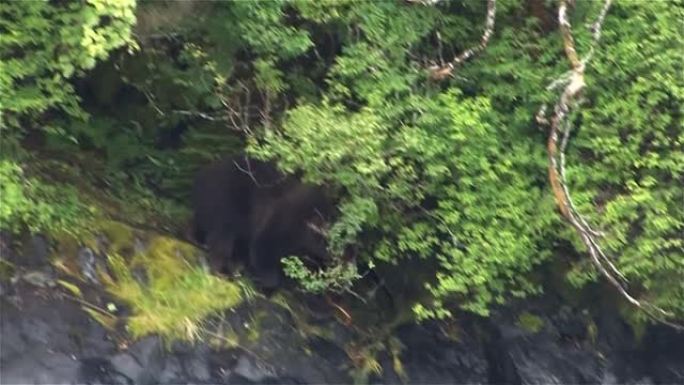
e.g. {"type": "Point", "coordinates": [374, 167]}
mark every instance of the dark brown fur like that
{"type": "Point", "coordinates": [247, 212]}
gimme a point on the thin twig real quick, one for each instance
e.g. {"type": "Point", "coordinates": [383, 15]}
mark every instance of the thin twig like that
{"type": "Point", "coordinates": [202, 115]}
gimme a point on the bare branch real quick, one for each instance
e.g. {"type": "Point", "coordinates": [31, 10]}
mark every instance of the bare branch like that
{"type": "Point", "coordinates": [598, 24]}
{"type": "Point", "coordinates": [250, 173]}
{"type": "Point", "coordinates": [439, 72]}
{"type": "Point", "coordinates": [573, 83]}
{"type": "Point", "coordinates": [568, 40]}
{"type": "Point", "coordinates": [424, 2]}
{"type": "Point", "coordinates": [151, 99]}
{"type": "Point", "coordinates": [201, 115]}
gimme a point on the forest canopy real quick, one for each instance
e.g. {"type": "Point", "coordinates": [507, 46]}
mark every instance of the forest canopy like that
{"type": "Point", "coordinates": [495, 142]}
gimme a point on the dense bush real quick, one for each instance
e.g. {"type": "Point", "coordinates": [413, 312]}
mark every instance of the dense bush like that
{"type": "Point", "coordinates": [31, 204]}
{"type": "Point", "coordinates": [452, 171]}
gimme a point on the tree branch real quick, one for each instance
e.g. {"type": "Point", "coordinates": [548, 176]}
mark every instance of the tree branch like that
{"type": "Point", "coordinates": [574, 83]}
{"type": "Point", "coordinates": [439, 72]}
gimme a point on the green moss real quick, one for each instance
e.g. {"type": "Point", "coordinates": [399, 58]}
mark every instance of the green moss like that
{"type": "Point", "coordinates": [174, 295]}
{"type": "Point", "coordinates": [592, 331]}
{"type": "Point", "coordinates": [364, 360]}
{"type": "Point", "coordinates": [301, 316]}
{"type": "Point", "coordinates": [119, 239]}
{"type": "Point", "coordinates": [530, 322]}
{"type": "Point", "coordinates": [254, 327]}
{"type": "Point", "coordinates": [395, 348]}
{"type": "Point", "coordinates": [119, 236]}
{"type": "Point", "coordinates": [636, 320]}
{"type": "Point", "coordinates": [6, 270]}
{"type": "Point", "coordinates": [226, 338]}
{"type": "Point", "coordinates": [166, 289]}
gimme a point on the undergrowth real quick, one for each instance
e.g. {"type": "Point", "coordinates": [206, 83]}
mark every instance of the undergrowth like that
{"type": "Point", "coordinates": [159, 280]}
{"type": "Point", "coordinates": [28, 203]}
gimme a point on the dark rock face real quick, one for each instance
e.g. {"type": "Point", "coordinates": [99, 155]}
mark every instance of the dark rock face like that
{"type": "Point", "coordinates": [51, 341]}
{"type": "Point", "coordinates": [43, 342]}
{"type": "Point", "coordinates": [431, 357]}
{"type": "Point", "coordinates": [563, 352]}
{"type": "Point", "coordinates": [543, 358]}
{"type": "Point", "coordinates": [46, 338]}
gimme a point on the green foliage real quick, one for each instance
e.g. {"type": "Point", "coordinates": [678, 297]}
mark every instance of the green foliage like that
{"type": "Point", "coordinates": [432, 173]}
{"type": "Point", "coordinates": [29, 203]}
{"type": "Point", "coordinates": [458, 176]}
{"type": "Point", "coordinates": [336, 278]}
{"type": "Point", "coordinates": [484, 223]}
{"type": "Point", "coordinates": [44, 44]}
{"type": "Point", "coordinates": [627, 160]}
{"type": "Point", "coordinates": [453, 173]}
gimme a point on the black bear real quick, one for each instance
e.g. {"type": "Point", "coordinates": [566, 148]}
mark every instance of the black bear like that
{"type": "Point", "coordinates": [249, 213]}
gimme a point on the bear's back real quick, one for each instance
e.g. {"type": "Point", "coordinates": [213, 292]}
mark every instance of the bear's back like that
{"type": "Point", "coordinates": [224, 192]}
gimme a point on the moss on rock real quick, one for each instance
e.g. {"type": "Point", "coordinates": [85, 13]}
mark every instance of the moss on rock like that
{"type": "Point", "coordinates": [530, 322]}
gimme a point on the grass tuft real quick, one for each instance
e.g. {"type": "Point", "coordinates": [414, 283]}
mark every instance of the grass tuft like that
{"type": "Point", "coordinates": [168, 292]}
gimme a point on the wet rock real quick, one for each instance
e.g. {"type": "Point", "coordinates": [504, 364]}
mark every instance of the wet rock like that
{"type": "Point", "coordinates": [35, 253]}
{"type": "Point", "coordinates": [100, 371]}
{"type": "Point", "coordinates": [557, 352]}
{"type": "Point", "coordinates": [431, 357]}
{"type": "Point", "coordinates": [51, 341]}
{"type": "Point", "coordinates": [149, 361]}
{"type": "Point", "coordinates": [281, 353]}
{"type": "Point", "coordinates": [141, 362]}
{"type": "Point", "coordinates": [40, 342]}
{"type": "Point", "coordinates": [30, 265]}
{"type": "Point", "coordinates": [6, 252]}
{"type": "Point", "coordinates": [45, 339]}
{"type": "Point", "coordinates": [127, 365]}
{"type": "Point", "coordinates": [184, 363]}
{"type": "Point", "coordinates": [40, 278]}
{"type": "Point", "coordinates": [544, 359]}
{"type": "Point", "coordinates": [40, 368]}
{"type": "Point", "coordinates": [251, 370]}
{"type": "Point", "coordinates": [87, 262]}
{"type": "Point", "coordinates": [659, 356]}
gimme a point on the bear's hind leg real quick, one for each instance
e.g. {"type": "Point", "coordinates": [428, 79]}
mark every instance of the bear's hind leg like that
{"type": "Point", "coordinates": [264, 263]}
{"type": "Point", "coordinates": [221, 252]}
